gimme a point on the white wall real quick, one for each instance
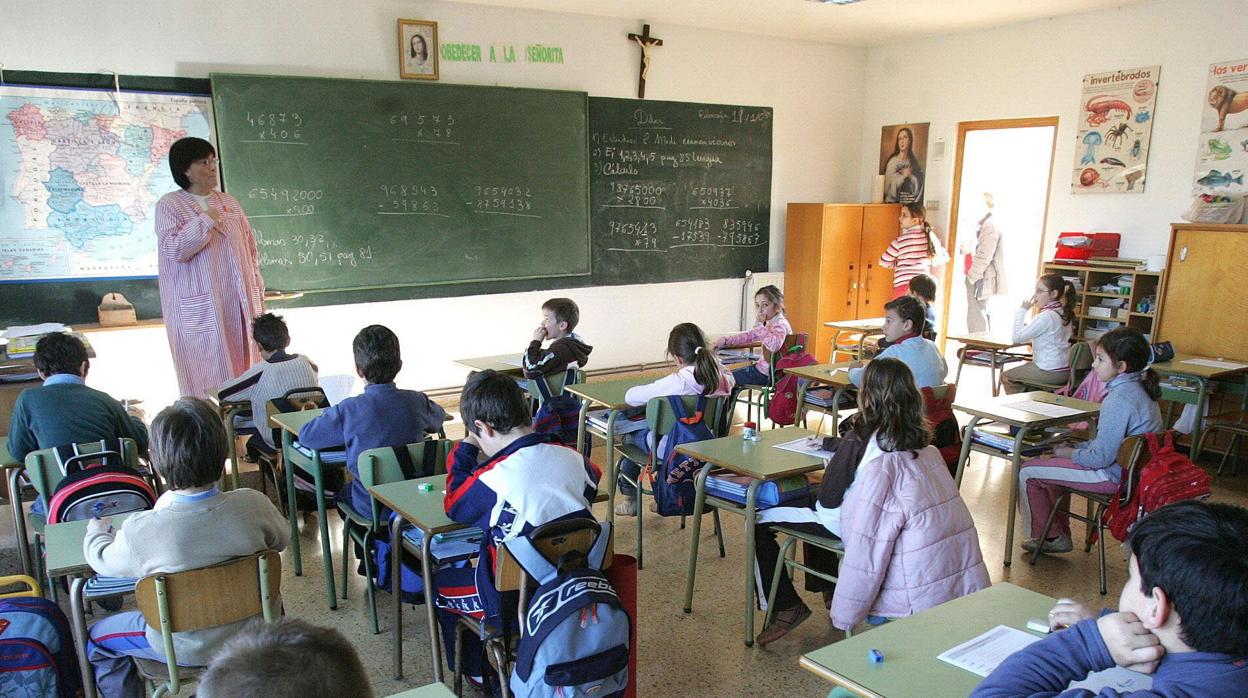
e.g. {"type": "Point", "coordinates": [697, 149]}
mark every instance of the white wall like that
{"type": "Point", "coordinates": [816, 91]}
{"type": "Point", "coordinates": [1035, 69]}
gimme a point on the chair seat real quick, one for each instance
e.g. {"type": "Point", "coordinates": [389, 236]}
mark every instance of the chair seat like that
{"type": "Point", "coordinates": [633, 453]}
{"type": "Point", "coordinates": [354, 516]}
{"type": "Point", "coordinates": [829, 541]}
{"type": "Point", "coordinates": [157, 672]}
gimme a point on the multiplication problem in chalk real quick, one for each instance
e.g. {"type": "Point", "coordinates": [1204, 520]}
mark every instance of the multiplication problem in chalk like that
{"type": "Point", "coordinates": [275, 126]}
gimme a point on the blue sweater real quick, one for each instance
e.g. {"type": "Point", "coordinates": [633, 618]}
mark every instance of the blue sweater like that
{"type": "Point", "coordinates": [922, 356]}
{"type": "Point", "coordinates": [382, 416]}
{"type": "Point", "coordinates": [65, 411]}
{"type": "Point", "coordinates": [1047, 667]}
{"type": "Point", "coordinates": [1126, 411]}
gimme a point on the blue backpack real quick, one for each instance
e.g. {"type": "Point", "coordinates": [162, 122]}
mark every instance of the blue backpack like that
{"type": "Point", "coordinates": [37, 657]}
{"type": "Point", "coordinates": [559, 414]}
{"type": "Point", "coordinates": [673, 484]}
{"type": "Point", "coordinates": [576, 635]}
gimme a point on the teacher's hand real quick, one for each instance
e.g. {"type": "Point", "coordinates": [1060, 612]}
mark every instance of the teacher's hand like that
{"type": "Point", "coordinates": [214, 214]}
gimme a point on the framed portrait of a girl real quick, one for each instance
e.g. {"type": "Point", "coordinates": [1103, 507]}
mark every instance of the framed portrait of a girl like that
{"type": "Point", "coordinates": [418, 49]}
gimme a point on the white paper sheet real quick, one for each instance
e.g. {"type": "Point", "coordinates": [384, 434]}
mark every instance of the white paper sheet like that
{"type": "Point", "coordinates": [32, 330]}
{"type": "Point", "coordinates": [1047, 409]}
{"type": "Point", "coordinates": [804, 447]}
{"type": "Point", "coordinates": [1214, 363]}
{"type": "Point", "coordinates": [1117, 678]}
{"type": "Point", "coordinates": [980, 655]}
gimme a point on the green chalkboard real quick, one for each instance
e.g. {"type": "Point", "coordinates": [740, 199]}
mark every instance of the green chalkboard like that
{"type": "Point", "coordinates": [678, 190]}
{"type": "Point", "coordinates": [357, 184]}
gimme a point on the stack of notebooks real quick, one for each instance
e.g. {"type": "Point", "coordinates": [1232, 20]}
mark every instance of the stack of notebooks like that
{"type": "Point", "coordinates": [1033, 444]}
{"type": "Point", "coordinates": [822, 397]}
{"type": "Point", "coordinates": [448, 547]}
{"type": "Point", "coordinates": [726, 485]}
{"type": "Point", "coordinates": [627, 423]}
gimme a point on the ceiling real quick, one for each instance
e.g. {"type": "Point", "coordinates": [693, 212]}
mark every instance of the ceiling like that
{"type": "Point", "coordinates": [866, 23]}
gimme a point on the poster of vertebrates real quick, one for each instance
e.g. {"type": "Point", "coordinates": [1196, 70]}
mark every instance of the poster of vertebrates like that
{"type": "Point", "coordinates": [1222, 154]}
{"type": "Point", "coordinates": [1115, 123]}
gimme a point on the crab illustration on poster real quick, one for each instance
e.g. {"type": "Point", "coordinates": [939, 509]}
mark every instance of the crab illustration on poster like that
{"type": "Point", "coordinates": [1115, 125]}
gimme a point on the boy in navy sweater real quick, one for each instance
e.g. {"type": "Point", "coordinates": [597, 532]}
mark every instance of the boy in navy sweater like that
{"type": "Point", "coordinates": [1181, 616]}
{"type": "Point", "coordinates": [527, 479]}
{"type": "Point", "coordinates": [383, 416]}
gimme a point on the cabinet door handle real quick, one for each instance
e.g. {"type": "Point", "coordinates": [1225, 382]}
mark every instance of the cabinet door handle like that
{"type": "Point", "coordinates": [866, 286]}
{"type": "Point", "coordinates": [849, 291]}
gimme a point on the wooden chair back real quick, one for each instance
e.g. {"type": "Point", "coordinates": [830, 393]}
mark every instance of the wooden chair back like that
{"type": "Point", "coordinates": [572, 536]}
{"type": "Point", "coordinates": [1133, 453]}
{"type": "Point", "coordinates": [206, 597]}
{"type": "Point", "coordinates": [1080, 361]}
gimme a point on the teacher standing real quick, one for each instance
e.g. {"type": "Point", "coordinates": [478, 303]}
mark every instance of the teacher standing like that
{"type": "Point", "coordinates": [210, 285]}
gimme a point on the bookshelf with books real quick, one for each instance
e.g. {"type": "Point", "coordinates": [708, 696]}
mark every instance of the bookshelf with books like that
{"type": "Point", "coordinates": [1111, 294]}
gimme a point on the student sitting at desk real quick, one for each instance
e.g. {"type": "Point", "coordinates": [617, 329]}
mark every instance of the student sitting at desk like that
{"type": "Point", "coordinates": [903, 320]}
{"type": "Point", "coordinates": [909, 540]}
{"type": "Point", "coordinates": [527, 480]}
{"type": "Point", "coordinates": [1049, 333]}
{"type": "Point", "coordinates": [383, 416]}
{"type": "Point", "coordinates": [770, 328]}
{"type": "Point", "coordinates": [559, 317]}
{"type": "Point", "coordinates": [270, 378]}
{"type": "Point", "coordinates": [923, 288]}
{"type": "Point", "coordinates": [698, 372]}
{"type": "Point", "coordinates": [1120, 361]}
{"type": "Point", "coordinates": [192, 525]}
{"type": "Point", "coordinates": [64, 410]}
{"type": "Point", "coordinates": [1181, 616]}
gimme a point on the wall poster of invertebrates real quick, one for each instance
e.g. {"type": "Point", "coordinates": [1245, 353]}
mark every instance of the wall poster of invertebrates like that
{"type": "Point", "coordinates": [1222, 156]}
{"type": "Point", "coordinates": [1115, 124]}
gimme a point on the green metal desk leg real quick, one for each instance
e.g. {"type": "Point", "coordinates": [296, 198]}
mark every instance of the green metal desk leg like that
{"type": "Point", "coordinates": [292, 510]}
{"type": "Point", "coordinates": [966, 450]}
{"type": "Point", "coordinates": [19, 521]}
{"type": "Point", "coordinates": [1202, 395]}
{"type": "Point", "coordinates": [580, 427]}
{"type": "Point", "coordinates": [695, 530]}
{"type": "Point", "coordinates": [750, 516]}
{"type": "Point", "coordinates": [1016, 460]}
{"type": "Point", "coordinates": [799, 416]}
{"type": "Point", "coordinates": [396, 592]}
{"type": "Point", "coordinates": [611, 474]}
{"type": "Point", "coordinates": [435, 635]}
{"type": "Point", "coordinates": [318, 479]}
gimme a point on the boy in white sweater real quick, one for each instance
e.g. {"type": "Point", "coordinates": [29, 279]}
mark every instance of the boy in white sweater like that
{"type": "Point", "coordinates": [192, 525]}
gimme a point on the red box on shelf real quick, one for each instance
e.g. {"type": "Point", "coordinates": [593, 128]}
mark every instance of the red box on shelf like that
{"type": "Point", "coordinates": [1080, 247]}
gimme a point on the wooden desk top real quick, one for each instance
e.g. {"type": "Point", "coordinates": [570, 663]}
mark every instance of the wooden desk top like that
{"type": "Point", "coordinates": [64, 546]}
{"type": "Point", "coordinates": [433, 690]}
{"type": "Point", "coordinates": [998, 409]}
{"type": "Point", "coordinates": [294, 421]}
{"type": "Point", "coordinates": [609, 394]}
{"type": "Point", "coordinates": [756, 459]}
{"type": "Point", "coordinates": [866, 324]}
{"type": "Point", "coordinates": [828, 374]}
{"type": "Point", "coordinates": [910, 645]}
{"type": "Point", "coordinates": [502, 363]}
{"type": "Point", "coordinates": [986, 340]}
{"type": "Point", "coordinates": [1177, 365]}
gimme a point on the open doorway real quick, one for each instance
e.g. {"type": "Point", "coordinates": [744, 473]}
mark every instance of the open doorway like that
{"type": "Point", "coordinates": [1006, 164]}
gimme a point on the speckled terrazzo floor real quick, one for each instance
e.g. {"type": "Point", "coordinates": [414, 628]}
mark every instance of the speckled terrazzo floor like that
{"type": "Point", "coordinates": [699, 654]}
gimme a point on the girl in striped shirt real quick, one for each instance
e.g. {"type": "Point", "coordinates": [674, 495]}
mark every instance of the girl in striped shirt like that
{"type": "Point", "coordinates": [914, 251]}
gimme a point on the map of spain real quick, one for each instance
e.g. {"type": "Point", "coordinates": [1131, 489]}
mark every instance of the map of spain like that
{"type": "Point", "coordinates": [80, 174]}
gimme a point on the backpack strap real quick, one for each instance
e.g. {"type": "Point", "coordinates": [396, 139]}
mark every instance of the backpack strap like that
{"type": "Point", "coordinates": [538, 567]}
{"type": "Point", "coordinates": [429, 458]}
{"type": "Point", "coordinates": [406, 464]}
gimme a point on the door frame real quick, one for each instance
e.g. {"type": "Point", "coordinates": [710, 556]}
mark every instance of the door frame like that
{"type": "Point", "coordinates": [951, 244]}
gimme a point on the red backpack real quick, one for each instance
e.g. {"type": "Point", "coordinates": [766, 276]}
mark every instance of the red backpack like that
{"type": "Point", "coordinates": [782, 410]}
{"type": "Point", "coordinates": [1167, 477]}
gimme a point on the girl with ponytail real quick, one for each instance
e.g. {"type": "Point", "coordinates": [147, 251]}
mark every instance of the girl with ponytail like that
{"type": "Point", "coordinates": [1049, 332]}
{"type": "Point", "coordinates": [914, 251]}
{"type": "Point", "coordinates": [1120, 361]}
{"type": "Point", "coordinates": [698, 372]}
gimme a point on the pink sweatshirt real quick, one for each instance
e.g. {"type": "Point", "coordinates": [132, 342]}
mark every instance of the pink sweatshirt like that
{"type": "Point", "coordinates": [770, 333]}
{"type": "Point", "coordinates": [910, 542]}
{"type": "Point", "coordinates": [682, 382]}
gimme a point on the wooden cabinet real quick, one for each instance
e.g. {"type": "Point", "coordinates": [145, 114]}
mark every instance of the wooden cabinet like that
{"type": "Point", "coordinates": [1205, 287]}
{"type": "Point", "coordinates": [1099, 286]}
{"type": "Point", "coordinates": [832, 266]}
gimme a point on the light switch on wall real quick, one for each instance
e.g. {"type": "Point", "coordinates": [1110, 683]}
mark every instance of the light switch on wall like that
{"type": "Point", "coordinates": [933, 204]}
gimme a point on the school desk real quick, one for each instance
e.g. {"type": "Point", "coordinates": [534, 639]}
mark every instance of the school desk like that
{"type": "Point", "coordinates": [999, 410]}
{"type": "Point", "coordinates": [834, 375]}
{"type": "Point", "coordinates": [424, 510]}
{"type": "Point", "coordinates": [508, 364]}
{"type": "Point", "coordinates": [291, 423]}
{"type": "Point", "coordinates": [66, 557]}
{"type": "Point", "coordinates": [433, 690]}
{"type": "Point", "coordinates": [1201, 375]}
{"type": "Point", "coordinates": [754, 459]}
{"type": "Point", "coordinates": [609, 395]}
{"type": "Point", "coordinates": [910, 645]}
{"type": "Point", "coordinates": [865, 328]}
{"type": "Point", "coordinates": [997, 345]}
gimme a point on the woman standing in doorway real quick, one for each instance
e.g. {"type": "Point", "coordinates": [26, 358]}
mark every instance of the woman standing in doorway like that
{"type": "Point", "coordinates": [915, 251]}
{"type": "Point", "coordinates": [985, 271]}
{"type": "Point", "coordinates": [210, 285]}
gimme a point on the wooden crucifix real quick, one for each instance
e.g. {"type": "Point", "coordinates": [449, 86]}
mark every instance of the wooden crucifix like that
{"type": "Point", "coordinates": [646, 42]}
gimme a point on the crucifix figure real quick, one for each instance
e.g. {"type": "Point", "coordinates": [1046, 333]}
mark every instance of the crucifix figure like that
{"type": "Point", "coordinates": [646, 42]}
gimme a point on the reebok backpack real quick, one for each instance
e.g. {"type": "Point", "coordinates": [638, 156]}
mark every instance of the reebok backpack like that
{"type": "Point", "coordinates": [37, 657]}
{"type": "Point", "coordinates": [575, 636]}
{"type": "Point", "coordinates": [1167, 477]}
{"type": "Point", "coordinates": [673, 484]}
{"type": "Point", "coordinates": [98, 485]}
{"type": "Point", "coordinates": [782, 409]}
{"type": "Point", "coordinates": [559, 414]}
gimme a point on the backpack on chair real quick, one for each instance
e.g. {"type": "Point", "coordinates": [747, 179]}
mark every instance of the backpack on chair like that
{"type": "Point", "coordinates": [575, 636]}
{"type": "Point", "coordinates": [673, 483]}
{"type": "Point", "coordinates": [1168, 476]}
{"type": "Point", "coordinates": [782, 410]}
{"type": "Point", "coordinates": [559, 414]}
{"type": "Point", "coordinates": [96, 485]}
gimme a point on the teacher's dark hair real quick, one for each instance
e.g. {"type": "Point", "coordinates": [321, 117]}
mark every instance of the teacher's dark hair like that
{"type": "Point", "coordinates": [184, 152]}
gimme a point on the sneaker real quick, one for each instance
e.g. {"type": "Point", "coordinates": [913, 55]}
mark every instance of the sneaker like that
{"type": "Point", "coordinates": [625, 505]}
{"type": "Point", "coordinates": [1061, 544]}
{"type": "Point", "coordinates": [782, 623]}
